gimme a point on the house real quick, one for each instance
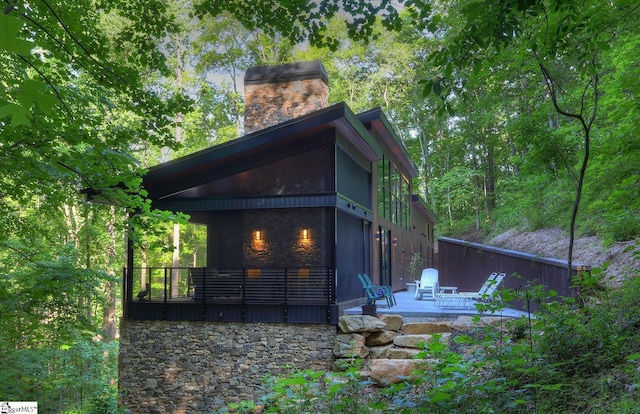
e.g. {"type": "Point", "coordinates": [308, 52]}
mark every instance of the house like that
{"type": "Point", "coordinates": [311, 196]}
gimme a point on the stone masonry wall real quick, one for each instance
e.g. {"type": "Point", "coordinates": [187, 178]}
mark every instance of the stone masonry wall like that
{"type": "Point", "coordinates": [272, 103]}
{"type": "Point", "coordinates": [198, 367]}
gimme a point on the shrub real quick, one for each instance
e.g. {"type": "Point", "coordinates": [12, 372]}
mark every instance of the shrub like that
{"type": "Point", "coordinates": [573, 356]}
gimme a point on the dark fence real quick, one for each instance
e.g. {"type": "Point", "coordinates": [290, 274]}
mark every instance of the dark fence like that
{"type": "Point", "coordinates": [301, 295]}
{"type": "Point", "coordinates": [467, 265]}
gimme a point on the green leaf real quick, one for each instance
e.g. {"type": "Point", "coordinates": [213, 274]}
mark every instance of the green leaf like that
{"type": "Point", "coordinates": [10, 38]}
{"type": "Point", "coordinates": [437, 89]}
{"type": "Point", "coordinates": [633, 357]}
{"type": "Point", "coordinates": [473, 10]}
{"type": "Point", "coordinates": [448, 71]}
{"type": "Point", "coordinates": [19, 115]}
{"type": "Point", "coordinates": [477, 67]}
{"type": "Point", "coordinates": [439, 396]}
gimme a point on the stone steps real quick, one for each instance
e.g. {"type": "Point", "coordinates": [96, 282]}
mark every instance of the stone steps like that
{"type": "Point", "coordinates": [390, 347]}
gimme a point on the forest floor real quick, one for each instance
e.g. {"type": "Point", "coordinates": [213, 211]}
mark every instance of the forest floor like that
{"type": "Point", "coordinates": [623, 257]}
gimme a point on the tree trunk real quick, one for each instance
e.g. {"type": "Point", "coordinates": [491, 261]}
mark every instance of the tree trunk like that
{"type": "Point", "coordinates": [586, 124]}
{"type": "Point", "coordinates": [175, 272]}
{"type": "Point", "coordinates": [109, 313]}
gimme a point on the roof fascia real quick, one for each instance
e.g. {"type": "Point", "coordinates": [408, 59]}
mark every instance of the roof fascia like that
{"type": "Point", "coordinates": [381, 123]}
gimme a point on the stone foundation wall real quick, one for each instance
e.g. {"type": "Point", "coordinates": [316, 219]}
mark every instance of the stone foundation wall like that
{"type": "Point", "coordinates": [198, 367]}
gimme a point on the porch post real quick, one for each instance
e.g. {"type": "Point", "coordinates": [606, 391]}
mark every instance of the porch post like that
{"type": "Point", "coordinates": [128, 276]}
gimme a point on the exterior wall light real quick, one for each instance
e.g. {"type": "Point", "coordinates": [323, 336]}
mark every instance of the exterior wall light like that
{"type": "Point", "coordinates": [258, 235]}
{"type": "Point", "coordinates": [305, 234]}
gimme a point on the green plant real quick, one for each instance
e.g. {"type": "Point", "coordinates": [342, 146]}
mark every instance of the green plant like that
{"type": "Point", "coordinates": [415, 266]}
{"type": "Point", "coordinates": [570, 356]}
{"type": "Point", "coordinates": [314, 391]}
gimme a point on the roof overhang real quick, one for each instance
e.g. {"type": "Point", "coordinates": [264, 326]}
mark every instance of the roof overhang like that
{"type": "Point", "coordinates": [381, 124]}
{"type": "Point", "coordinates": [212, 163]}
{"type": "Point", "coordinates": [422, 207]}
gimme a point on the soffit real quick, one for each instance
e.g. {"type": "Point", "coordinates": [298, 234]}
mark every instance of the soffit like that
{"type": "Point", "coordinates": [259, 148]}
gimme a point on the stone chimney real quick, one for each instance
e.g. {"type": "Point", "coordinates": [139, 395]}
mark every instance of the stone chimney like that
{"type": "Point", "coordinates": [274, 94]}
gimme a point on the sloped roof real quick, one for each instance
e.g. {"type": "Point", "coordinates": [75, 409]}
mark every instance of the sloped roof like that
{"type": "Point", "coordinates": [381, 124]}
{"type": "Point", "coordinates": [422, 207]}
{"type": "Point", "coordinates": [218, 161]}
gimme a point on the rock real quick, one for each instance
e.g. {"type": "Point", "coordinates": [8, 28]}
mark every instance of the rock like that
{"type": "Point", "coordinates": [463, 323]}
{"type": "Point", "coordinates": [380, 338]}
{"type": "Point", "coordinates": [394, 322]}
{"type": "Point", "coordinates": [402, 353]}
{"type": "Point", "coordinates": [391, 371]}
{"type": "Point", "coordinates": [360, 323]}
{"type": "Point", "coordinates": [494, 321]}
{"type": "Point", "coordinates": [378, 352]}
{"type": "Point", "coordinates": [426, 327]}
{"type": "Point", "coordinates": [350, 345]}
{"type": "Point", "coordinates": [151, 383]}
{"type": "Point", "coordinates": [414, 341]}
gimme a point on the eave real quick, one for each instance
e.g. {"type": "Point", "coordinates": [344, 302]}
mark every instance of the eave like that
{"type": "Point", "coordinates": [210, 164]}
{"type": "Point", "coordinates": [422, 207]}
{"type": "Point", "coordinates": [381, 124]}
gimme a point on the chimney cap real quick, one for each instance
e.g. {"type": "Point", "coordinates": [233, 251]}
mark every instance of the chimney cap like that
{"type": "Point", "coordinates": [286, 73]}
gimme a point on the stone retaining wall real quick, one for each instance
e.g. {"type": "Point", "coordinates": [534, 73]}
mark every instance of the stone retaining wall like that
{"type": "Point", "coordinates": [390, 348]}
{"type": "Point", "coordinates": [198, 367]}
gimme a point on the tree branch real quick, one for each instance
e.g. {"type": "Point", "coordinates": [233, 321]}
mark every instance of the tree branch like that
{"type": "Point", "coordinates": [46, 79]}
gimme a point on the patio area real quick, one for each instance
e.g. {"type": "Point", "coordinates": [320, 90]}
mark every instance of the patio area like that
{"type": "Point", "coordinates": [408, 306]}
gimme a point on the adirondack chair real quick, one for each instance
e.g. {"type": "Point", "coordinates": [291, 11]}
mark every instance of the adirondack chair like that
{"type": "Point", "coordinates": [374, 292]}
{"type": "Point", "coordinates": [485, 292]}
{"type": "Point", "coordinates": [428, 283]}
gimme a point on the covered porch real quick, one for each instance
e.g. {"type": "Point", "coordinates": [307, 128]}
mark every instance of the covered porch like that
{"type": "Point", "coordinates": [231, 294]}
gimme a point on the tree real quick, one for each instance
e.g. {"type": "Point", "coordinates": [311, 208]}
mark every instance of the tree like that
{"type": "Point", "coordinates": [73, 107]}
{"type": "Point", "coordinates": [565, 39]}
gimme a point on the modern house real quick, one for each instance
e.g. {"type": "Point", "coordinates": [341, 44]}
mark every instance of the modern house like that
{"type": "Point", "coordinates": [311, 196]}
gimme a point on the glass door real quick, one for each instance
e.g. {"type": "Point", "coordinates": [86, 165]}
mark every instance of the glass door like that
{"type": "Point", "coordinates": [385, 256]}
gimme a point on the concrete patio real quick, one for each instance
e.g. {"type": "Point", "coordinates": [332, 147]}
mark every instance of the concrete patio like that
{"type": "Point", "coordinates": [408, 306]}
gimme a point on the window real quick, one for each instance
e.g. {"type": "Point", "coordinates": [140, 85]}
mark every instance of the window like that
{"type": "Point", "coordinates": [383, 189]}
{"type": "Point", "coordinates": [406, 203]}
{"type": "Point", "coordinates": [393, 194]}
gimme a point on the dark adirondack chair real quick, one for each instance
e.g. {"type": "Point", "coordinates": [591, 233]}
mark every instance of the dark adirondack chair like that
{"type": "Point", "coordinates": [374, 292]}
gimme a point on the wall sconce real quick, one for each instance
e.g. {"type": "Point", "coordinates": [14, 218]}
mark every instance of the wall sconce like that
{"type": "Point", "coordinates": [305, 234]}
{"type": "Point", "coordinates": [258, 235]}
{"type": "Point", "coordinates": [378, 235]}
{"type": "Point", "coordinates": [395, 241]}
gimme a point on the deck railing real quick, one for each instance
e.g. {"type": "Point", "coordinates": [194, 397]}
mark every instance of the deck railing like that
{"type": "Point", "coordinates": [277, 294]}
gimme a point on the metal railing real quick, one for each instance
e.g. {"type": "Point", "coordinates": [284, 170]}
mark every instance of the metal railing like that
{"type": "Point", "coordinates": [238, 290]}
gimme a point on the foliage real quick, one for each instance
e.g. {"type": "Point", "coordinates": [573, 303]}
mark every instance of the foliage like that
{"type": "Point", "coordinates": [313, 391]}
{"type": "Point", "coordinates": [416, 263]}
{"type": "Point", "coordinates": [569, 357]}
{"type": "Point", "coordinates": [93, 92]}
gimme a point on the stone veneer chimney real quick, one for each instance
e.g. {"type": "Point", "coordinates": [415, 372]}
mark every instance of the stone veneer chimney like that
{"type": "Point", "coordinates": [274, 94]}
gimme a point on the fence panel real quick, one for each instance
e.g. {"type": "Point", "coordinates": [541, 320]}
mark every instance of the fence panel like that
{"type": "Point", "coordinates": [467, 265]}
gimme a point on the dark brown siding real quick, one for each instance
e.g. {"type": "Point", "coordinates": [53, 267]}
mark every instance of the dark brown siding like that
{"type": "Point", "coordinates": [467, 265]}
